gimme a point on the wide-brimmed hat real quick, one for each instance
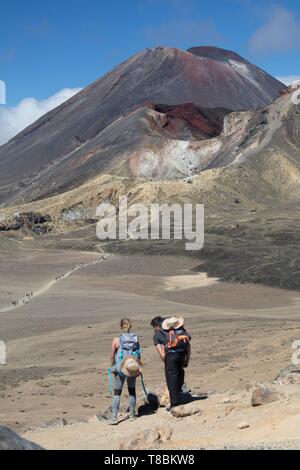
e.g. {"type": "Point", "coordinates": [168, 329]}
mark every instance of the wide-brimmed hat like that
{"type": "Point", "coordinates": [131, 366]}
{"type": "Point", "coordinates": [172, 323]}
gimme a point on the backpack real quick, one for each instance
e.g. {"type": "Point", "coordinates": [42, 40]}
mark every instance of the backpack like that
{"type": "Point", "coordinates": [128, 346]}
{"type": "Point", "coordinates": [178, 340]}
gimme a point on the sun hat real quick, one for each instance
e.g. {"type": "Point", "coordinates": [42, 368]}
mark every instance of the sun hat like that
{"type": "Point", "coordinates": [172, 323]}
{"type": "Point", "coordinates": [131, 366]}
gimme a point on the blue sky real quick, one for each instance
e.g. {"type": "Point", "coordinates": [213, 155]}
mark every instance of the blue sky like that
{"type": "Point", "coordinates": [49, 45]}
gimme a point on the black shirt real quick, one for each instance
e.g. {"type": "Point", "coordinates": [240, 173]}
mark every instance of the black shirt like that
{"type": "Point", "coordinates": [161, 337]}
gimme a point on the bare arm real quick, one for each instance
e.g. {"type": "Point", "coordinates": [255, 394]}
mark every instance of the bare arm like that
{"type": "Point", "coordinates": [161, 351]}
{"type": "Point", "coordinates": [114, 349]}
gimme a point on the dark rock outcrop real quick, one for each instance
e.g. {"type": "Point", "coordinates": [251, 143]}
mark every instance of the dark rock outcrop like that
{"type": "Point", "coordinates": [35, 222]}
{"type": "Point", "coordinates": [9, 440]}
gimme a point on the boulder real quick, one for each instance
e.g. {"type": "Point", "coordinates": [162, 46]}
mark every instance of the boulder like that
{"type": "Point", "coordinates": [163, 396]}
{"type": "Point", "coordinates": [159, 396]}
{"type": "Point", "coordinates": [182, 411]}
{"type": "Point", "coordinates": [9, 440]}
{"type": "Point", "coordinates": [263, 395]}
{"type": "Point", "coordinates": [148, 439]}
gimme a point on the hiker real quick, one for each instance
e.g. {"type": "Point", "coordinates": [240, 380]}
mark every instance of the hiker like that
{"type": "Point", "coordinates": [173, 345]}
{"type": "Point", "coordinates": [158, 338]}
{"type": "Point", "coordinates": [125, 366]}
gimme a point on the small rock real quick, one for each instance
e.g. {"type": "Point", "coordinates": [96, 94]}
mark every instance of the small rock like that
{"type": "Point", "coordinates": [226, 400]}
{"type": "Point", "coordinates": [243, 425]}
{"type": "Point", "coordinates": [295, 378]}
{"type": "Point", "coordinates": [81, 421]}
{"type": "Point", "coordinates": [286, 380]}
{"type": "Point", "coordinates": [182, 411]}
{"type": "Point", "coordinates": [56, 423]}
{"type": "Point", "coordinates": [288, 375]}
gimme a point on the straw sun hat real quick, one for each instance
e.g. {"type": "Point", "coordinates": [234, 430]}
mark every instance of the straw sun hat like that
{"type": "Point", "coordinates": [172, 323]}
{"type": "Point", "coordinates": [131, 366]}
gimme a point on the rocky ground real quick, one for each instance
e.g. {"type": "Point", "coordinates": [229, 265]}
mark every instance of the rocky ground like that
{"type": "Point", "coordinates": [262, 417]}
{"type": "Point", "coordinates": [59, 342]}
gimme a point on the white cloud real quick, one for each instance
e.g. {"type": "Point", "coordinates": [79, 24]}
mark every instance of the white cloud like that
{"type": "Point", "coordinates": [281, 32]}
{"type": "Point", "coordinates": [15, 119]}
{"type": "Point", "coordinates": [2, 92]}
{"type": "Point", "coordinates": [289, 79]}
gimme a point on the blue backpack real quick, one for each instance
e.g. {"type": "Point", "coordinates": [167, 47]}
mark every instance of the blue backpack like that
{"type": "Point", "coordinates": [128, 346]}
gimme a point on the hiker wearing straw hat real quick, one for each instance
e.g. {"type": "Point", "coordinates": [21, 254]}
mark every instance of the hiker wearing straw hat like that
{"type": "Point", "coordinates": [126, 366]}
{"type": "Point", "coordinates": [173, 344]}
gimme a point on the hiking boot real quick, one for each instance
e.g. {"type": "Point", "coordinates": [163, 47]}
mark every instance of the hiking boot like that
{"type": "Point", "coordinates": [113, 421]}
{"type": "Point", "coordinates": [132, 417]}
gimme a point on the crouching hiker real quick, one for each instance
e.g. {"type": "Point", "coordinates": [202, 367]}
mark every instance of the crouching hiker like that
{"type": "Point", "coordinates": [126, 366]}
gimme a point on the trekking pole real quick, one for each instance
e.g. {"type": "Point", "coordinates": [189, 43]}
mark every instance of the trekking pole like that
{"type": "Point", "coordinates": [110, 382]}
{"type": "Point", "coordinates": [144, 388]}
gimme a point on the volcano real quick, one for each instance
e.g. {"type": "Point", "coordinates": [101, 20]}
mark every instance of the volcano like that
{"type": "Point", "coordinates": [159, 93]}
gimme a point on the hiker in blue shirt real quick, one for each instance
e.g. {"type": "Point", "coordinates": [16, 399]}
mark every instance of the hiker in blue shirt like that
{"type": "Point", "coordinates": [126, 366]}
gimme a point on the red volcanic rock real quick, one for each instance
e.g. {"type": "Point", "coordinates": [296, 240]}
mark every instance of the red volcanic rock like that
{"type": "Point", "coordinates": [202, 123]}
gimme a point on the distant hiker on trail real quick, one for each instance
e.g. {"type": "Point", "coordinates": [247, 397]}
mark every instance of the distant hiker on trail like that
{"type": "Point", "coordinates": [173, 345]}
{"type": "Point", "coordinates": [126, 366]}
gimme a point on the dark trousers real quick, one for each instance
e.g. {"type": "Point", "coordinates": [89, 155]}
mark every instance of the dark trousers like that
{"type": "Point", "coordinates": [174, 362]}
